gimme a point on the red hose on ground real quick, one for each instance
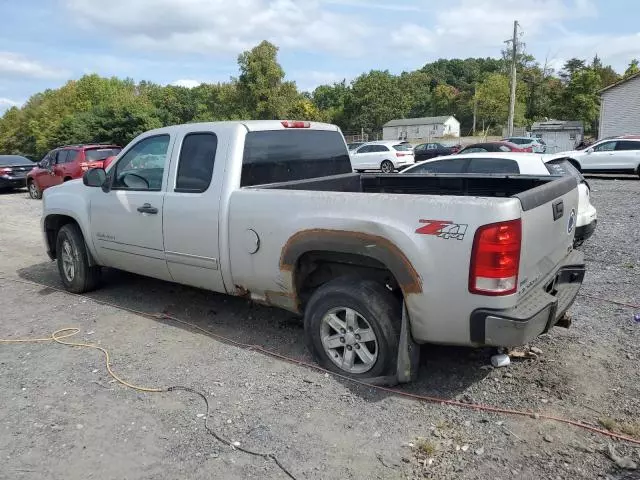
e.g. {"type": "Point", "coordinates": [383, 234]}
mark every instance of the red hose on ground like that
{"type": "Point", "coordinates": [394, 391]}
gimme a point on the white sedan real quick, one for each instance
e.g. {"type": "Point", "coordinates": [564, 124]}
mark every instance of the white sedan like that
{"type": "Point", "coordinates": [509, 163]}
{"type": "Point", "coordinates": [382, 155]}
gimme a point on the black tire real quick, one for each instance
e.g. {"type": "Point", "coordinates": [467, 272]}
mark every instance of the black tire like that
{"type": "Point", "coordinates": [83, 277]}
{"type": "Point", "coordinates": [375, 303]}
{"type": "Point", "coordinates": [34, 191]}
{"type": "Point", "coordinates": [387, 166]}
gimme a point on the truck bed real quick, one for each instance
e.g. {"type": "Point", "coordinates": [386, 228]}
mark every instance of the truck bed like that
{"type": "Point", "coordinates": [530, 190]}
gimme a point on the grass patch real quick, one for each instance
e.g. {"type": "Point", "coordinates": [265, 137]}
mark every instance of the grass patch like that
{"type": "Point", "coordinates": [630, 429]}
{"type": "Point", "coordinates": [426, 447]}
{"type": "Point", "coordinates": [608, 423]}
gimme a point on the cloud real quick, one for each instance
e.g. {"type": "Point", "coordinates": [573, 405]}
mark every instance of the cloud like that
{"type": "Point", "coordinates": [187, 83]}
{"type": "Point", "coordinates": [308, 80]}
{"type": "Point", "coordinates": [480, 27]}
{"type": "Point", "coordinates": [16, 65]}
{"type": "Point", "coordinates": [213, 27]}
{"type": "Point", "coordinates": [7, 103]}
{"type": "Point", "coordinates": [368, 4]}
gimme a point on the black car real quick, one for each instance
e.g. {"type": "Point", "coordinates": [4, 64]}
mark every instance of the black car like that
{"type": "Point", "coordinates": [13, 171]}
{"type": "Point", "coordinates": [426, 151]}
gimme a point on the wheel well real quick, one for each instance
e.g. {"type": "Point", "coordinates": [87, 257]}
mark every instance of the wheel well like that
{"type": "Point", "coordinates": [66, 179]}
{"type": "Point", "coordinates": [52, 225]}
{"type": "Point", "coordinates": [316, 268]}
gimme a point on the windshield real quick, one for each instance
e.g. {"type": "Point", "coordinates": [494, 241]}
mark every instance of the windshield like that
{"type": "Point", "coordinates": [101, 153]}
{"type": "Point", "coordinates": [14, 160]}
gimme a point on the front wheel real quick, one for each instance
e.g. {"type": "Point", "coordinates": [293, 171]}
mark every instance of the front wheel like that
{"type": "Point", "coordinates": [73, 261]}
{"type": "Point", "coordinates": [352, 327]}
{"type": "Point", "coordinates": [34, 191]}
{"type": "Point", "coordinates": [387, 166]}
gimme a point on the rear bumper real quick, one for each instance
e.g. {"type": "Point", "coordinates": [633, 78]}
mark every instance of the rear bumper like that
{"type": "Point", "coordinates": [538, 311]}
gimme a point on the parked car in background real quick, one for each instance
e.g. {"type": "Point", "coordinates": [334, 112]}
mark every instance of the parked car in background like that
{"type": "Point", "coordinates": [384, 155]}
{"type": "Point", "coordinates": [520, 164]}
{"type": "Point", "coordinates": [537, 145]}
{"type": "Point", "coordinates": [501, 146]}
{"type": "Point", "coordinates": [615, 155]}
{"type": "Point", "coordinates": [13, 171]}
{"type": "Point", "coordinates": [425, 151]}
{"type": "Point", "coordinates": [271, 211]}
{"type": "Point", "coordinates": [354, 145]}
{"type": "Point", "coordinates": [67, 163]}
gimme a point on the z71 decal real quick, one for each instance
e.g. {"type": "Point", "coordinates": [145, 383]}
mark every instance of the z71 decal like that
{"type": "Point", "coordinates": [443, 229]}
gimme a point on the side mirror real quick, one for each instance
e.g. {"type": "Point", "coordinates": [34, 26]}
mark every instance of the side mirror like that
{"type": "Point", "coordinates": [589, 150]}
{"type": "Point", "coordinates": [94, 177]}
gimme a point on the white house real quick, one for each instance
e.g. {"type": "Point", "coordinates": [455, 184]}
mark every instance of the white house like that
{"type": "Point", "coordinates": [424, 128]}
{"type": "Point", "coordinates": [620, 108]}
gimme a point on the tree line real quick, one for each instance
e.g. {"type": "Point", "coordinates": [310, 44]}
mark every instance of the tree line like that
{"type": "Point", "coordinates": [98, 109]}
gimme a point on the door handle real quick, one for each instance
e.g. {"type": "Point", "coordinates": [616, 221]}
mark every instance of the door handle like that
{"type": "Point", "coordinates": [147, 208]}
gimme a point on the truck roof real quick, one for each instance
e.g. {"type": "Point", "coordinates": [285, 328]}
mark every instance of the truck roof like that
{"type": "Point", "coordinates": [250, 125]}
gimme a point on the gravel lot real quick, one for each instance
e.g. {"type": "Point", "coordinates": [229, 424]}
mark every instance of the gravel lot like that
{"type": "Point", "coordinates": [62, 417]}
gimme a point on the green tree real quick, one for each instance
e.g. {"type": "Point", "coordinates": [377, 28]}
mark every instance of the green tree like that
{"type": "Point", "coordinates": [581, 99]}
{"type": "Point", "coordinates": [261, 85]}
{"type": "Point", "coordinates": [632, 69]}
{"type": "Point", "coordinates": [376, 98]}
{"type": "Point", "coordinates": [444, 97]}
{"type": "Point", "coordinates": [493, 101]}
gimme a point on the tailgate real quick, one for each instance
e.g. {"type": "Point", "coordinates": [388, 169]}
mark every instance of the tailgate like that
{"type": "Point", "coordinates": [549, 215]}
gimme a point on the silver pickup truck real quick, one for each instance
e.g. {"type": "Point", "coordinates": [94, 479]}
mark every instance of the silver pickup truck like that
{"type": "Point", "coordinates": [376, 263]}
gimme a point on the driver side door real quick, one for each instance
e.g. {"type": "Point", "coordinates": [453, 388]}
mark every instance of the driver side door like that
{"type": "Point", "coordinates": [126, 220]}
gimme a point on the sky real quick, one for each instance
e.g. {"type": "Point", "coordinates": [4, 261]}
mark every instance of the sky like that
{"type": "Point", "coordinates": [45, 43]}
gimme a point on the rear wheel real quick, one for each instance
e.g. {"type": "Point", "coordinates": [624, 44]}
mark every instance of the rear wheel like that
{"type": "Point", "coordinates": [73, 261]}
{"type": "Point", "coordinates": [34, 191]}
{"type": "Point", "coordinates": [352, 327]}
{"type": "Point", "coordinates": [387, 166]}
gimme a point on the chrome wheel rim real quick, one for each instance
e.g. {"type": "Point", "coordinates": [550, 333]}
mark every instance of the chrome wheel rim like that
{"type": "Point", "coordinates": [386, 168]}
{"type": "Point", "coordinates": [348, 340]}
{"type": "Point", "coordinates": [33, 190]}
{"type": "Point", "coordinates": [68, 265]}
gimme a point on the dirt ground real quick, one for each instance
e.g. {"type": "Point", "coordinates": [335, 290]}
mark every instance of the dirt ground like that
{"type": "Point", "coordinates": [62, 416]}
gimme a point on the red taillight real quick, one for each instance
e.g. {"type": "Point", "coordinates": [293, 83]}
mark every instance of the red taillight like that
{"type": "Point", "coordinates": [495, 258]}
{"type": "Point", "coordinates": [5, 171]}
{"type": "Point", "coordinates": [295, 124]}
{"type": "Point", "coordinates": [400, 154]}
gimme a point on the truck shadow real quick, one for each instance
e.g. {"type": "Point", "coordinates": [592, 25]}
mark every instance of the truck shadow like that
{"type": "Point", "coordinates": [445, 372]}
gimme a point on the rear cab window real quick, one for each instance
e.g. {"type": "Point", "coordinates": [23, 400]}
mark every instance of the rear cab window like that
{"type": "Point", "coordinates": [493, 165]}
{"type": "Point", "coordinates": [274, 156]}
{"type": "Point", "coordinates": [455, 165]}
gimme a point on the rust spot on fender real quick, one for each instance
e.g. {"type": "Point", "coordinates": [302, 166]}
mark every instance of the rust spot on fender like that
{"type": "Point", "coordinates": [358, 243]}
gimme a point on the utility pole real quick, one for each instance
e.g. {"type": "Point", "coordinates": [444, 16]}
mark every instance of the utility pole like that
{"type": "Point", "coordinates": [512, 99]}
{"type": "Point", "coordinates": [475, 109]}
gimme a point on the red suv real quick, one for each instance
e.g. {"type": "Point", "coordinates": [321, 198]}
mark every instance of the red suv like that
{"type": "Point", "coordinates": [67, 163]}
